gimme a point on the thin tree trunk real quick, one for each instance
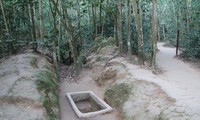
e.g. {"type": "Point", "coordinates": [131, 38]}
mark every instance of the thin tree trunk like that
{"type": "Point", "coordinates": [115, 28]}
{"type": "Point", "coordinates": [177, 42]}
{"type": "Point", "coordinates": [53, 11]}
{"type": "Point", "coordinates": [154, 34]}
{"type": "Point", "coordinates": [119, 26]}
{"type": "Point", "coordinates": [78, 14]}
{"type": "Point", "coordinates": [33, 25]}
{"type": "Point", "coordinates": [177, 18]}
{"type": "Point", "coordinates": [94, 19]}
{"type": "Point", "coordinates": [188, 15]}
{"type": "Point", "coordinates": [128, 30]}
{"type": "Point", "coordinates": [5, 22]}
{"type": "Point", "coordinates": [164, 33]}
{"type": "Point", "coordinates": [102, 28]}
{"type": "Point", "coordinates": [59, 36]}
{"type": "Point", "coordinates": [41, 21]}
{"type": "Point", "coordinates": [80, 42]}
{"type": "Point", "coordinates": [89, 14]}
{"type": "Point", "coordinates": [4, 18]}
{"type": "Point", "coordinates": [100, 16]}
{"type": "Point", "coordinates": [37, 30]}
{"type": "Point", "coordinates": [138, 24]}
{"type": "Point", "coordinates": [158, 31]}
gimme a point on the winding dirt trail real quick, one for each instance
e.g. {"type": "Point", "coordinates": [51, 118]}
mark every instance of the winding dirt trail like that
{"type": "Point", "coordinates": [179, 74]}
{"type": "Point", "coordinates": [181, 80]}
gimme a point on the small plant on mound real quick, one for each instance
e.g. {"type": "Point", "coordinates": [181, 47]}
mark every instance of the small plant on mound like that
{"type": "Point", "coordinates": [118, 94]}
{"type": "Point", "coordinates": [48, 87]}
{"type": "Point", "coordinates": [101, 42]}
{"type": "Point", "coordinates": [33, 62]}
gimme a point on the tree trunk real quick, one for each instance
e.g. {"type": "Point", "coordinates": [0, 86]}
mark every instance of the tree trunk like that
{"type": "Point", "coordinates": [119, 26]}
{"type": "Point", "coordinates": [154, 34]}
{"type": "Point", "coordinates": [187, 16]}
{"type": "Point", "coordinates": [80, 42]}
{"type": "Point", "coordinates": [33, 25]}
{"type": "Point", "coordinates": [100, 17]}
{"type": "Point", "coordinates": [37, 29]}
{"type": "Point", "coordinates": [78, 13]}
{"type": "Point", "coordinates": [6, 25]}
{"type": "Point", "coordinates": [158, 31]}
{"type": "Point", "coordinates": [128, 30]}
{"type": "Point", "coordinates": [177, 42]}
{"type": "Point", "coordinates": [53, 11]}
{"type": "Point", "coordinates": [41, 21]}
{"type": "Point", "coordinates": [59, 36]}
{"type": "Point", "coordinates": [30, 22]}
{"type": "Point", "coordinates": [138, 24]}
{"type": "Point", "coordinates": [164, 33]}
{"type": "Point", "coordinates": [4, 18]}
{"type": "Point", "coordinates": [115, 28]}
{"type": "Point", "coordinates": [94, 19]}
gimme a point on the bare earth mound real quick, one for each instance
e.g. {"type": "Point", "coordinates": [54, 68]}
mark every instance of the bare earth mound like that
{"type": "Point", "coordinates": [19, 97]}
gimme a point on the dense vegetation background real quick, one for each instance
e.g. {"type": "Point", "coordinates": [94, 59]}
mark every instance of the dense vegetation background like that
{"type": "Point", "coordinates": [70, 29]}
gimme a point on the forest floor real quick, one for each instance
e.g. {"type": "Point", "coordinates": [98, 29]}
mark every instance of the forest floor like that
{"type": "Point", "coordinates": [171, 94]}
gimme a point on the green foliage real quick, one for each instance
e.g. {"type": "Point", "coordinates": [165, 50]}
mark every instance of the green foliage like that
{"type": "Point", "coordinates": [33, 62]}
{"type": "Point", "coordinates": [48, 87]}
{"type": "Point", "coordinates": [101, 42]}
{"type": "Point", "coordinates": [170, 12]}
{"type": "Point", "coordinates": [118, 94]}
{"type": "Point", "coordinates": [192, 48]}
{"type": "Point", "coordinates": [184, 16]}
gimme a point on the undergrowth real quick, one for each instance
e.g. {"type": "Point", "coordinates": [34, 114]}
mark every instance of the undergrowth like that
{"type": "Point", "coordinates": [118, 94]}
{"type": "Point", "coordinates": [101, 42]}
{"type": "Point", "coordinates": [33, 62]}
{"type": "Point", "coordinates": [48, 86]}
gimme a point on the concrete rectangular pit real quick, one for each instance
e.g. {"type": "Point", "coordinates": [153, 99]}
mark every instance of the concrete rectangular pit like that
{"type": "Point", "coordinates": [86, 104]}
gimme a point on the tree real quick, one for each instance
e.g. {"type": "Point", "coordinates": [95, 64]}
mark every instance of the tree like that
{"type": "Point", "coordinates": [6, 25]}
{"type": "Point", "coordinates": [128, 30]}
{"type": "Point", "coordinates": [32, 15]}
{"type": "Point", "coordinates": [154, 34]}
{"type": "Point", "coordinates": [119, 26]}
{"type": "Point", "coordinates": [41, 21]}
{"type": "Point", "coordinates": [137, 12]}
{"type": "Point", "coordinates": [94, 18]}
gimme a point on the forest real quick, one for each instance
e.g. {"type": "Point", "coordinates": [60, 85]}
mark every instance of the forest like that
{"type": "Point", "coordinates": [69, 32]}
{"type": "Point", "coordinates": [67, 29]}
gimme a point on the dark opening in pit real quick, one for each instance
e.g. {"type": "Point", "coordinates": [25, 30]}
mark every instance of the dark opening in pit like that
{"type": "Point", "coordinates": [87, 105]}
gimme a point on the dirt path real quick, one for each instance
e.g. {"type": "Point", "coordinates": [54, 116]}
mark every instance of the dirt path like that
{"type": "Point", "coordinates": [179, 81]}
{"type": "Point", "coordinates": [179, 74]}
{"type": "Point", "coordinates": [182, 80]}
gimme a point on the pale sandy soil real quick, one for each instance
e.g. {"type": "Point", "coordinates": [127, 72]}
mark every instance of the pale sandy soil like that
{"type": "Point", "coordinates": [19, 97]}
{"type": "Point", "coordinates": [180, 81]}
